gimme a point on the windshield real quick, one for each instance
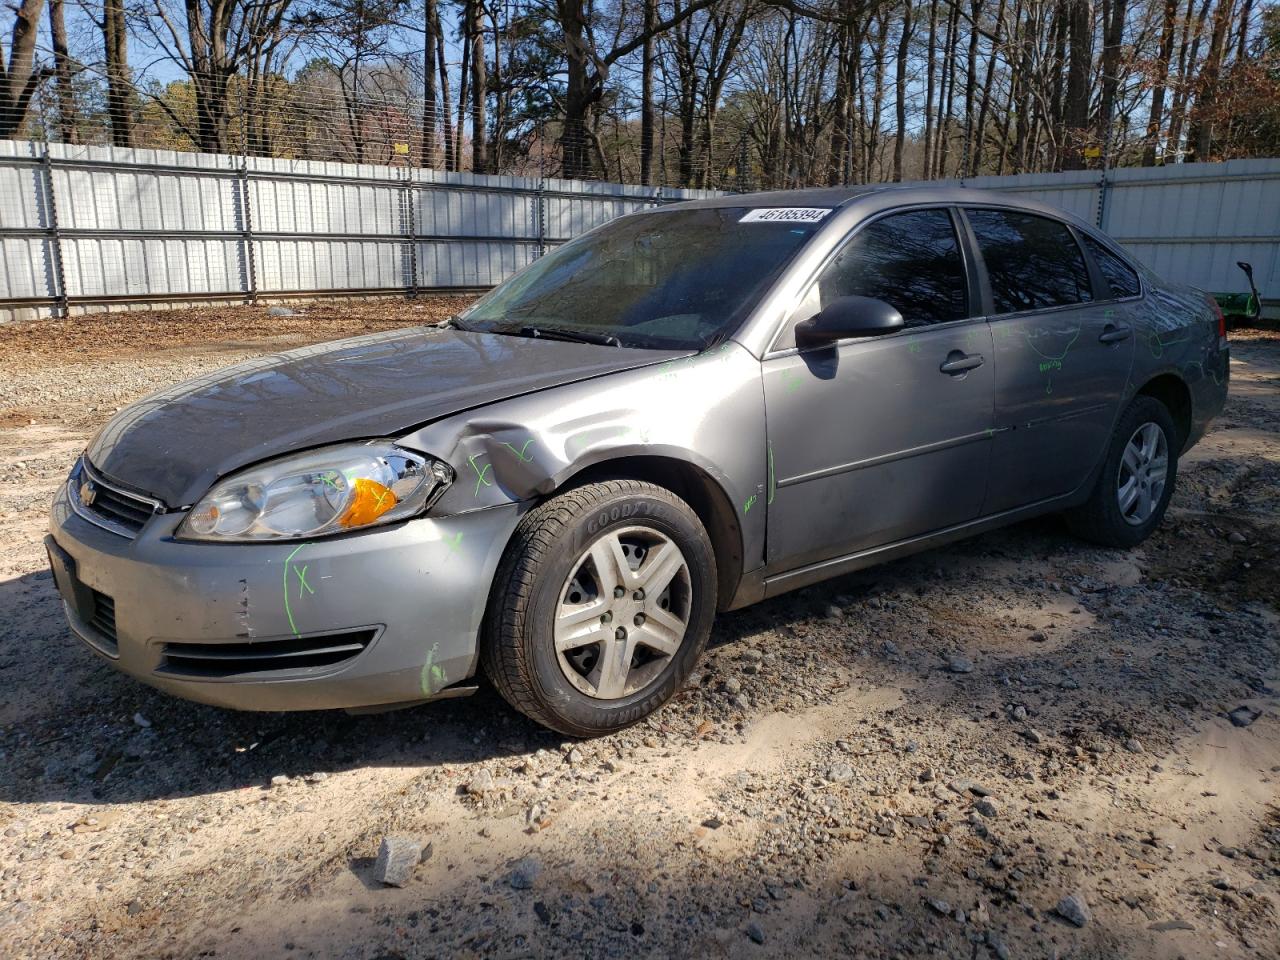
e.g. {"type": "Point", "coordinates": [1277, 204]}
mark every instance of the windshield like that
{"type": "Point", "coordinates": [675, 279]}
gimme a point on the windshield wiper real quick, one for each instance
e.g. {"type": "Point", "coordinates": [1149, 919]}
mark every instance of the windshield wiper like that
{"type": "Point", "coordinates": [575, 336]}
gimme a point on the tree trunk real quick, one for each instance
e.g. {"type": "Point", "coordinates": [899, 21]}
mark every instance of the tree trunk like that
{"type": "Point", "coordinates": [926, 172]}
{"type": "Point", "coordinates": [1161, 83]}
{"type": "Point", "coordinates": [115, 42]}
{"type": "Point", "coordinates": [980, 136]}
{"type": "Point", "coordinates": [446, 102]}
{"type": "Point", "coordinates": [1207, 87]}
{"type": "Point", "coordinates": [1113, 13]}
{"type": "Point", "coordinates": [1075, 109]}
{"type": "Point", "coordinates": [430, 31]}
{"type": "Point", "coordinates": [479, 83]}
{"type": "Point", "coordinates": [970, 85]}
{"type": "Point", "coordinates": [900, 91]}
{"type": "Point", "coordinates": [68, 117]}
{"type": "Point", "coordinates": [647, 112]}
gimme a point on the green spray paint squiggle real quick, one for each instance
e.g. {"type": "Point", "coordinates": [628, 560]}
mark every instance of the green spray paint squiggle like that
{"type": "Point", "coordinates": [302, 578]}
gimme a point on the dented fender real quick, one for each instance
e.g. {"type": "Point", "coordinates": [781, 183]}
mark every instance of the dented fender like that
{"type": "Point", "coordinates": [704, 410]}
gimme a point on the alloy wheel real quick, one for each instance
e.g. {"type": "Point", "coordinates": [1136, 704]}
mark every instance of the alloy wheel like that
{"type": "Point", "coordinates": [1143, 470]}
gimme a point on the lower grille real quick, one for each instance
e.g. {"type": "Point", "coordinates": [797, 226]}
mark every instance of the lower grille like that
{"type": "Point", "coordinates": [103, 617]}
{"type": "Point", "coordinates": [222, 660]}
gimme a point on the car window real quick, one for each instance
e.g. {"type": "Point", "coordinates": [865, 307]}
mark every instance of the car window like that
{"type": "Point", "coordinates": [1032, 262]}
{"type": "Point", "coordinates": [1120, 277]}
{"type": "Point", "coordinates": [680, 278]}
{"type": "Point", "coordinates": [910, 260]}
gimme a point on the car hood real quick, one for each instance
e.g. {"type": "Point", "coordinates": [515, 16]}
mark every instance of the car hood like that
{"type": "Point", "coordinates": [174, 444]}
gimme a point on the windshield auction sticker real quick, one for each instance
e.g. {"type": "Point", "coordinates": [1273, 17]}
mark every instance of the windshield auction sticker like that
{"type": "Point", "coordinates": [785, 215]}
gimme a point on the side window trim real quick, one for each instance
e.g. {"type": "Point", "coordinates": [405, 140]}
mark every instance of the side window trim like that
{"type": "Point", "coordinates": [967, 261]}
{"type": "Point", "coordinates": [1106, 243]}
{"type": "Point", "coordinates": [988, 299]}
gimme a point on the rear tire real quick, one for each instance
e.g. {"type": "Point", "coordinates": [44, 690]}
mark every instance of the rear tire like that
{"type": "Point", "coordinates": [600, 607]}
{"type": "Point", "coordinates": [1137, 480]}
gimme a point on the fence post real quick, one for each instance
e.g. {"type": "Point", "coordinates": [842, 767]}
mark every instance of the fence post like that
{"type": "Point", "coordinates": [246, 220]}
{"type": "Point", "coordinates": [411, 203]}
{"type": "Point", "coordinates": [55, 235]}
{"type": "Point", "coordinates": [1104, 188]}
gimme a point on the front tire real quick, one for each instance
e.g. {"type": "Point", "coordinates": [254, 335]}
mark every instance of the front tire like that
{"type": "Point", "coordinates": [1137, 480]}
{"type": "Point", "coordinates": [601, 607]}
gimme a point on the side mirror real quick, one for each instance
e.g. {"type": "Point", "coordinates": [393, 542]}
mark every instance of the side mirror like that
{"type": "Point", "coordinates": [849, 317]}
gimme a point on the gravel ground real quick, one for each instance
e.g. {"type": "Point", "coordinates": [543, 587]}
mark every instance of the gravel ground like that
{"type": "Point", "coordinates": [1017, 746]}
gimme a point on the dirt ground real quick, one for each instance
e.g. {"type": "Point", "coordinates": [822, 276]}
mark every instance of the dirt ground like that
{"type": "Point", "coordinates": [923, 759]}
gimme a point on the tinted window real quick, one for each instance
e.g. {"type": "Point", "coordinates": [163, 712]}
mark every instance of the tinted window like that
{"type": "Point", "coordinates": [1120, 277]}
{"type": "Point", "coordinates": [680, 278]}
{"type": "Point", "coordinates": [1032, 262]}
{"type": "Point", "coordinates": [910, 260]}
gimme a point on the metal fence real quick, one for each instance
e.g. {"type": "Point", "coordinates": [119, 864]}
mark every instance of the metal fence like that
{"type": "Point", "coordinates": [91, 227]}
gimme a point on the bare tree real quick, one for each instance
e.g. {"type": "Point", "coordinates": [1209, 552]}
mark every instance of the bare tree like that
{"type": "Point", "coordinates": [19, 74]}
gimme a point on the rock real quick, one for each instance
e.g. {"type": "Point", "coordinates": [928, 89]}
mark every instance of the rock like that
{"type": "Point", "coordinates": [524, 872]}
{"type": "Point", "coordinates": [1019, 713]}
{"type": "Point", "coordinates": [1133, 745]}
{"type": "Point", "coordinates": [833, 612]}
{"type": "Point", "coordinates": [939, 906]}
{"type": "Point", "coordinates": [1164, 925]}
{"type": "Point", "coordinates": [135, 907]}
{"type": "Point", "coordinates": [733, 686]}
{"type": "Point", "coordinates": [1236, 537]}
{"type": "Point", "coordinates": [1243, 716]}
{"type": "Point", "coordinates": [1038, 637]}
{"type": "Point", "coordinates": [1073, 908]}
{"type": "Point", "coordinates": [1034, 735]}
{"type": "Point", "coordinates": [957, 663]}
{"type": "Point", "coordinates": [988, 807]}
{"type": "Point", "coordinates": [280, 312]}
{"type": "Point", "coordinates": [575, 757]}
{"type": "Point", "coordinates": [481, 783]}
{"type": "Point", "coordinates": [997, 945]}
{"type": "Point", "coordinates": [927, 775]}
{"type": "Point", "coordinates": [280, 780]}
{"type": "Point", "coordinates": [318, 777]}
{"type": "Point", "coordinates": [839, 773]}
{"type": "Point", "coordinates": [141, 721]}
{"type": "Point", "coordinates": [755, 932]}
{"type": "Point", "coordinates": [397, 858]}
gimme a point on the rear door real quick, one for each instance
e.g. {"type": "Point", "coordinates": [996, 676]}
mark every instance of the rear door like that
{"type": "Point", "coordinates": [1063, 349]}
{"type": "Point", "coordinates": [871, 440]}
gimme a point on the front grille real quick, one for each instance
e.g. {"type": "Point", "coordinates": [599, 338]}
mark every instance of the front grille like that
{"type": "Point", "coordinates": [223, 660]}
{"type": "Point", "coordinates": [102, 617]}
{"type": "Point", "coordinates": [110, 506]}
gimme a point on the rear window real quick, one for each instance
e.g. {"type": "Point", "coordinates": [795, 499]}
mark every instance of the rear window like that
{"type": "Point", "coordinates": [1120, 277]}
{"type": "Point", "coordinates": [1033, 263]}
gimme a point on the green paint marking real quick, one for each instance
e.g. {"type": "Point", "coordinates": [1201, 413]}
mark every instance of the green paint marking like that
{"type": "Point", "coordinates": [433, 677]}
{"type": "Point", "coordinates": [751, 500]}
{"type": "Point", "coordinates": [287, 611]}
{"type": "Point", "coordinates": [453, 543]}
{"type": "Point", "coordinates": [520, 453]}
{"type": "Point", "coordinates": [773, 487]}
{"type": "Point", "coordinates": [302, 581]}
{"type": "Point", "coordinates": [1051, 362]}
{"type": "Point", "coordinates": [1159, 346]}
{"type": "Point", "coordinates": [331, 479]}
{"type": "Point", "coordinates": [481, 475]}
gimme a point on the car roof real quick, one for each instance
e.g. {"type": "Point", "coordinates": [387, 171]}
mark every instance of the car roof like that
{"type": "Point", "coordinates": [882, 196]}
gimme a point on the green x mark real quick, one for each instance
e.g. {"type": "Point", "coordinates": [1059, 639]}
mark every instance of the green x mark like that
{"type": "Point", "coordinates": [482, 478]}
{"type": "Point", "coordinates": [520, 453]}
{"type": "Point", "coordinates": [301, 574]}
{"type": "Point", "coordinates": [453, 543]}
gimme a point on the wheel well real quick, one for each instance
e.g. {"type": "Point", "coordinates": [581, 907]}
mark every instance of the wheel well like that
{"type": "Point", "coordinates": [697, 488]}
{"type": "Point", "coordinates": [1176, 397]}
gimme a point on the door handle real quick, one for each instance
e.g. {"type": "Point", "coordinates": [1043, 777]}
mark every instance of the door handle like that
{"type": "Point", "coordinates": [1114, 334]}
{"type": "Point", "coordinates": [957, 362]}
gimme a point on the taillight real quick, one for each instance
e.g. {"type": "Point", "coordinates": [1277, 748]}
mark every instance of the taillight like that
{"type": "Point", "coordinates": [1222, 321]}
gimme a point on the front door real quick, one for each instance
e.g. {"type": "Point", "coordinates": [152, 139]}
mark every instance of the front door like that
{"type": "Point", "coordinates": [1063, 349]}
{"type": "Point", "coordinates": [879, 439]}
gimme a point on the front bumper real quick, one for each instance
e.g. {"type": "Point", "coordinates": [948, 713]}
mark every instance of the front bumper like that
{"type": "Point", "coordinates": [387, 616]}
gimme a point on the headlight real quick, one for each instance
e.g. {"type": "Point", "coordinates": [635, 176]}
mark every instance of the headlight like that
{"type": "Point", "coordinates": [325, 491]}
